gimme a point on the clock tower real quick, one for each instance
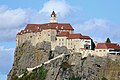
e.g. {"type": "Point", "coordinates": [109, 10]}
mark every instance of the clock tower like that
{"type": "Point", "coordinates": [53, 17]}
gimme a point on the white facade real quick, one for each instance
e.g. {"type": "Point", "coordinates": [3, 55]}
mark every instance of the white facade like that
{"type": "Point", "coordinates": [101, 52]}
{"type": "Point", "coordinates": [104, 49]}
{"type": "Point", "coordinates": [50, 33]}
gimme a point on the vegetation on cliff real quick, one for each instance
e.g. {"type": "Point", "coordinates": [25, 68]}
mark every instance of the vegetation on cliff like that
{"type": "Point", "coordinates": [71, 66]}
{"type": "Point", "coordinates": [37, 74]}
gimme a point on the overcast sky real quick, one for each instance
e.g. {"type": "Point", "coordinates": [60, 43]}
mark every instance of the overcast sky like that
{"type": "Point", "coordinates": [98, 19]}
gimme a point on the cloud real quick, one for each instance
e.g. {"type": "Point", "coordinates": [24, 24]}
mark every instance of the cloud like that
{"type": "Point", "coordinates": [99, 29]}
{"type": "Point", "coordinates": [13, 20]}
{"type": "Point", "coordinates": [60, 7]}
{"type": "Point", "coordinates": [6, 59]}
{"type": "Point", "coordinates": [2, 48]}
{"type": "Point", "coordinates": [63, 10]}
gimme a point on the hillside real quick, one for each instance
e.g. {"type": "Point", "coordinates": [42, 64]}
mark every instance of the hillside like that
{"type": "Point", "coordinates": [61, 64]}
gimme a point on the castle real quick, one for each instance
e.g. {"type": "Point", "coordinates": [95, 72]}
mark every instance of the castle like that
{"type": "Point", "coordinates": [60, 34]}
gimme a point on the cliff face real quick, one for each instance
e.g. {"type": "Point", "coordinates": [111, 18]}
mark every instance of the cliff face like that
{"type": "Point", "coordinates": [70, 66]}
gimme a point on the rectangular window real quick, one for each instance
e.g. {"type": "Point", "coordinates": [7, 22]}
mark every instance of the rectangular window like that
{"type": "Point", "coordinates": [59, 39]}
{"type": "Point", "coordinates": [87, 41]}
{"type": "Point", "coordinates": [62, 43]}
{"type": "Point", "coordinates": [48, 34]}
{"type": "Point", "coordinates": [87, 46]}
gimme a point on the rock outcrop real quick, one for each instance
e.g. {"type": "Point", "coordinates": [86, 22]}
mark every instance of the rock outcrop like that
{"type": "Point", "coordinates": [70, 66]}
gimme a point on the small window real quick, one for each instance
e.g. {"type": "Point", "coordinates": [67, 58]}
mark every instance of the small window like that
{"type": "Point", "coordinates": [68, 43]}
{"type": "Point", "coordinates": [48, 34]}
{"type": "Point", "coordinates": [62, 39]}
{"type": "Point", "coordinates": [100, 50]}
{"type": "Point", "coordinates": [59, 39]}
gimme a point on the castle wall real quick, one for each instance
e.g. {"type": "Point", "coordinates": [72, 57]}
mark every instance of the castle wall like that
{"type": "Point", "coordinates": [76, 44]}
{"type": "Point", "coordinates": [70, 44]}
{"type": "Point", "coordinates": [50, 35]}
{"type": "Point", "coordinates": [101, 52]}
{"type": "Point", "coordinates": [86, 52]}
{"type": "Point", "coordinates": [61, 41]}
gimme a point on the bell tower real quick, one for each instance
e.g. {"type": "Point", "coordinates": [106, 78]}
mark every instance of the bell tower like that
{"type": "Point", "coordinates": [53, 17]}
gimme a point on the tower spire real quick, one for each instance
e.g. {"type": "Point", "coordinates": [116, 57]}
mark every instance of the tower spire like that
{"type": "Point", "coordinates": [53, 17]}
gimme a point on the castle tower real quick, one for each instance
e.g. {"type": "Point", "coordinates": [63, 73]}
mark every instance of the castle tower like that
{"type": "Point", "coordinates": [53, 17]}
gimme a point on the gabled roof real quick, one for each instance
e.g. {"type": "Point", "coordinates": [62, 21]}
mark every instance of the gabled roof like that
{"type": "Point", "coordinates": [84, 37]}
{"type": "Point", "coordinates": [60, 26]}
{"type": "Point", "coordinates": [73, 36]}
{"type": "Point", "coordinates": [64, 34]}
{"type": "Point", "coordinates": [38, 27]}
{"type": "Point", "coordinates": [107, 46]}
{"type": "Point", "coordinates": [78, 36]}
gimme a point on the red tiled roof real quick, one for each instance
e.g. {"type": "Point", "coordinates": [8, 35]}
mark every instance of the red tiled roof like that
{"type": "Point", "coordinates": [107, 46]}
{"type": "Point", "coordinates": [38, 27]}
{"type": "Point", "coordinates": [64, 34]}
{"type": "Point", "coordinates": [32, 27]}
{"type": "Point", "coordinates": [73, 36]}
{"type": "Point", "coordinates": [78, 36]}
{"type": "Point", "coordinates": [85, 37]}
{"type": "Point", "coordinates": [59, 26]}
{"type": "Point", "coordinates": [19, 33]}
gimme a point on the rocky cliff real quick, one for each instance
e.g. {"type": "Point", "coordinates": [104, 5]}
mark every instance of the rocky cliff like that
{"type": "Point", "coordinates": [69, 66]}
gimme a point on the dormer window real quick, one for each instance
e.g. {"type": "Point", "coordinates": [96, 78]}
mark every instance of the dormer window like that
{"type": "Point", "coordinates": [62, 27]}
{"type": "Point", "coordinates": [37, 27]}
{"type": "Point", "coordinates": [56, 27]}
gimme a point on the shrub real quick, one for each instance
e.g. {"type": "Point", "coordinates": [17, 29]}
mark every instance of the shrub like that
{"type": "Point", "coordinates": [37, 74]}
{"type": "Point", "coordinates": [103, 78]}
{"type": "Point", "coordinates": [74, 78]}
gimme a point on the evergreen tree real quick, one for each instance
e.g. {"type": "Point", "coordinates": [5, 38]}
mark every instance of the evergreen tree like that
{"type": "Point", "coordinates": [108, 40]}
